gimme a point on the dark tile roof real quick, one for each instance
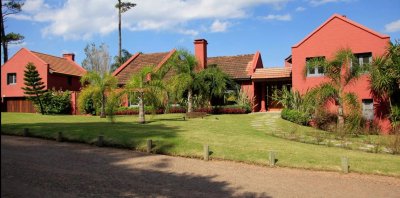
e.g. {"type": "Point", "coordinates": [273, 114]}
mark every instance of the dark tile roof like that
{"type": "Point", "coordinates": [235, 66]}
{"type": "Point", "coordinates": [61, 65]}
{"type": "Point", "coordinates": [138, 63]}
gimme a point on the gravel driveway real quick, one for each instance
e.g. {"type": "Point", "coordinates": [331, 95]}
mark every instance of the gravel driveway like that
{"type": "Point", "coordinates": [40, 168]}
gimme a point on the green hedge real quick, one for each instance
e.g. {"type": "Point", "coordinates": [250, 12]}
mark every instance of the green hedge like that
{"type": "Point", "coordinates": [295, 116]}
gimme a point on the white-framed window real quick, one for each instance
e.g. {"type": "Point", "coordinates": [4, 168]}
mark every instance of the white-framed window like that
{"type": "Point", "coordinates": [368, 109]}
{"type": "Point", "coordinates": [316, 70]}
{"type": "Point", "coordinates": [133, 101]}
{"type": "Point", "coordinates": [11, 78]}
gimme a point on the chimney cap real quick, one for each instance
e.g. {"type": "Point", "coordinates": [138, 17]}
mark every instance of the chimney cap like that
{"type": "Point", "coordinates": [200, 40]}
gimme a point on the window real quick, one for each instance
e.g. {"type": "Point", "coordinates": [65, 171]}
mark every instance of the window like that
{"type": "Point", "coordinates": [69, 80]}
{"type": "Point", "coordinates": [317, 70]}
{"type": "Point", "coordinates": [363, 58]}
{"type": "Point", "coordinates": [11, 78]}
{"type": "Point", "coordinates": [368, 109]}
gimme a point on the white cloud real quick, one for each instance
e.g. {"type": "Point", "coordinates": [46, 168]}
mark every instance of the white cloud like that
{"type": "Point", "coordinates": [300, 9]}
{"type": "Point", "coordinates": [393, 26]}
{"type": "Point", "coordinates": [77, 19]}
{"type": "Point", "coordinates": [286, 17]}
{"type": "Point", "coordinates": [218, 26]}
{"type": "Point", "coordinates": [322, 2]}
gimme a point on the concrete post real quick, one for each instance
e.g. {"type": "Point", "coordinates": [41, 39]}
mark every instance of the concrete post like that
{"type": "Point", "coordinates": [206, 152]}
{"type": "Point", "coordinates": [59, 137]}
{"type": "Point", "coordinates": [345, 164]}
{"type": "Point", "coordinates": [272, 158]}
{"type": "Point", "coordinates": [100, 141]}
{"type": "Point", "coordinates": [26, 132]}
{"type": "Point", "coordinates": [149, 145]}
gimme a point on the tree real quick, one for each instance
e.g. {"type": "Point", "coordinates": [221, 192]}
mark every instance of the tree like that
{"type": "Point", "coordinates": [341, 71]}
{"type": "Point", "coordinates": [385, 79]}
{"type": "Point", "coordinates": [97, 87]}
{"type": "Point", "coordinates": [211, 82]}
{"type": "Point", "coordinates": [122, 7]}
{"type": "Point", "coordinates": [119, 61]}
{"type": "Point", "coordinates": [97, 58]}
{"type": "Point", "coordinates": [10, 7]}
{"type": "Point", "coordinates": [98, 79]}
{"type": "Point", "coordinates": [34, 87]}
{"type": "Point", "coordinates": [148, 87]}
{"type": "Point", "coordinates": [184, 64]}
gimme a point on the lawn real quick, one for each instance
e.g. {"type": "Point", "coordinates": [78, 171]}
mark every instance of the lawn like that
{"type": "Point", "coordinates": [230, 137]}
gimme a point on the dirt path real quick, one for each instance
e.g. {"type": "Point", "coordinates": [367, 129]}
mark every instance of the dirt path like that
{"type": "Point", "coordinates": [41, 168]}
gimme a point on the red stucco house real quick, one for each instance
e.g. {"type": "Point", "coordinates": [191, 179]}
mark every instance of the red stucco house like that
{"type": "Point", "coordinates": [60, 73]}
{"type": "Point", "coordinates": [240, 67]}
{"type": "Point", "coordinates": [336, 33]}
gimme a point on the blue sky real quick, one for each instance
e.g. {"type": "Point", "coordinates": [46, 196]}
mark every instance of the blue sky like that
{"type": "Point", "coordinates": [231, 27]}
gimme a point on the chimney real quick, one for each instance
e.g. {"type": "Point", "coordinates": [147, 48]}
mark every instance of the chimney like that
{"type": "Point", "coordinates": [200, 51]}
{"type": "Point", "coordinates": [69, 56]}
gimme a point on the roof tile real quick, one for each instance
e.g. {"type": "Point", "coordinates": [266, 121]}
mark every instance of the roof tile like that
{"type": "Point", "coordinates": [276, 72]}
{"type": "Point", "coordinates": [235, 66]}
{"type": "Point", "coordinates": [61, 65]}
{"type": "Point", "coordinates": [138, 63]}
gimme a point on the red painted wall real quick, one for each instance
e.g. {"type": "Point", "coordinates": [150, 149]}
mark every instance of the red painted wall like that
{"type": "Point", "coordinates": [334, 35]}
{"type": "Point", "coordinates": [17, 65]}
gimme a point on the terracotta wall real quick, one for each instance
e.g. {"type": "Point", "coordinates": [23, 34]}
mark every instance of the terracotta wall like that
{"type": "Point", "coordinates": [17, 65]}
{"type": "Point", "coordinates": [336, 35]}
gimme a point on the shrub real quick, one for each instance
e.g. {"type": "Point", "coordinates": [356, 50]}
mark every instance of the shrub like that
{"type": "Point", "coordinates": [56, 102]}
{"type": "Point", "coordinates": [325, 120]}
{"type": "Point", "coordinates": [295, 116]}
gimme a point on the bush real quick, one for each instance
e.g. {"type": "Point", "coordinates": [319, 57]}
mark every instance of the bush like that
{"type": "Point", "coordinates": [56, 102]}
{"type": "Point", "coordinates": [325, 120]}
{"type": "Point", "coordinates": [295, 116]}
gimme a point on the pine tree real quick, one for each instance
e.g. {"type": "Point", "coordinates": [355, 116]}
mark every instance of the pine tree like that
{"type": "Point", "coordinates": [34, 85]}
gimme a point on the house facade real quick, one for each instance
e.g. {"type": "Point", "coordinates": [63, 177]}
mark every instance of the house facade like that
{"type": "Point", "coordinates": [339, 32]}
{"type": "Point", "coordinates": [60, 73]}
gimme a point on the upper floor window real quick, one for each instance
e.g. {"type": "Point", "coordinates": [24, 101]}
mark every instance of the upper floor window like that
{"type": "Point", "coordinates": [11, 78]}
{"type": "Point", "coordinates": [313, 69]}
{"type": "Point", "coordinates": [364, 58]}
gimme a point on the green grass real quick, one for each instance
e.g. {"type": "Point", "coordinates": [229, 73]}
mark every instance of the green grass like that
{"type": "Point", "coordinates": [230, 137]}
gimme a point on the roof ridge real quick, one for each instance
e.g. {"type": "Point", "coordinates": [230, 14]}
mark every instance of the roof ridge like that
{"type": "Point", "coordinates": [48, 54]}
{"type": "Point", "coordinates": [232, 56]}
{"type": "Point", "coordinates": [345, 19]}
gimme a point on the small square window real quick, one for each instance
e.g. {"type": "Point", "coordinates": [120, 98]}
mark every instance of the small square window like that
{"type": "Point", "coordinates": [317, 70]}
{"type": "Point", "coordinates": [368, 109]}
{"type": "Point", "coordinates": [11, 78]}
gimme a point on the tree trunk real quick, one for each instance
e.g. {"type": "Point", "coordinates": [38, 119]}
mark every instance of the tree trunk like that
{"type": "Point", "coordinates": [40, 104]}
{"type": "Point", "coordinates": [141, 109]}
{"type": "Point", "coordinates": [190, 101]}
{"type": "Point", "coordinates": [3, 40]}
{"type": "Point", "coordinates": [103, 106]}
{"type": "Point", "coordinates": [119, 33]}
{"type": "Point", "coordinates": [340, 117]}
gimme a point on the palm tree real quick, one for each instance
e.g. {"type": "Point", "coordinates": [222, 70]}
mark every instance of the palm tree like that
{"type": "Point", "coordinates": [122, 7]}
{"type": "Point", "coordinates": [385, 77]}
{"type": "Point", "coordinates": [211, 82]}
{"type": "Point", "coordinates": [184, 64]}
{"type": "Point", "coordinates": [342, 70]}
{"type": "Point", "coordinates": [98, 85]}
{"type": "Point", "coordinates": [146, 85]}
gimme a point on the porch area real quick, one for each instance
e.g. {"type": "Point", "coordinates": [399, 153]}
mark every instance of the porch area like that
{"type": "Point", "coordinates": [266, 81]}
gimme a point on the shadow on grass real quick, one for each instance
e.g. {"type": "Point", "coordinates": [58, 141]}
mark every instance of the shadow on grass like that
{"type": "Point", "coordinates": [37, 167]}
{"type": "Point", "coordinates": [121, 134]}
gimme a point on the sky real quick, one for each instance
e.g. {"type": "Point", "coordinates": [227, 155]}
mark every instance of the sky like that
{"type": "Point", "coordinates": [231, 27]}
